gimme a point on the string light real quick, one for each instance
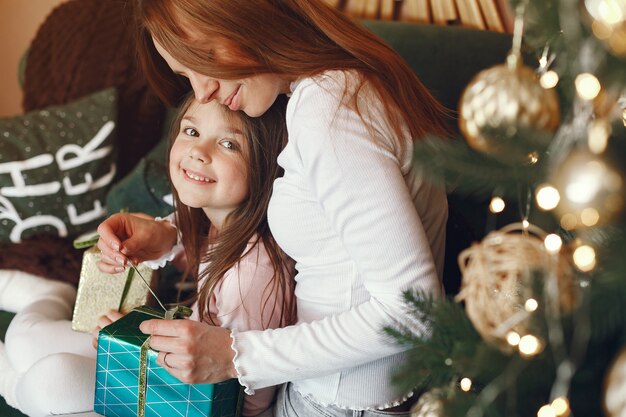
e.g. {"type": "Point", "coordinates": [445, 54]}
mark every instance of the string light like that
{"type": "Point", "coordinates": [553, 243]}
{"type": "Point", "coordinates": [549, 79]}
{"type": "Point", "coordinates": [589, 217]}
{"type": "Point", "coordinates": [560, 406]}
{"type": "Point", "coordinates": [586, 183]}
{"type": "Point", "coordinates": [497, 205]}
{"type": "Point", "coordinates": [609, 12]}
{"type": "Point", "coordinates": [569, 221]}
{"type": "Point", "coordinates": [529, 345]}
{"type": "Point", "coordinates": [599, 133]}
{"type": "Point", "coordinates": [585, 258]}
{"type": "Point", "coordinates": [587, 86]}
{"type": "Point", "coordinates": [513, 338]}
{"type": "Point", "coordinates": [546, 411]}
{"type": "Point", "coordinates": [547, 197]}
{"type": "Point", "coordinates": [533, 158]}
{"type": "Point", "coordinates": [525, 224]}
{"type": "Point", "coordinates": [466, 384]}
{"type": "Point", "coordinates": [601, 31]}
{"type": "Point", "coordinates": [531, 305]}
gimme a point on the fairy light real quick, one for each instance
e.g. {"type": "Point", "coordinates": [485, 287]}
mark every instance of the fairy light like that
{"type": "Point", "coordinates": [546, 411]}
{"type": "Point", "coordinates": [601, 30]}
{"type": "Point", "coordinates": [569, 221]}
{"type": "Point", "coordinates": [587, 86]}
{"type": "Point", "coordinates": [529, 345]}
{"type": "Point", "coordinates": [531, 305]}
{"type": "Point", "coordinates": [598, 138]}
{"type": "Point", "coordinates": [547, 197]}
{"type": "Point", "coordinates": [497, 205]}
{"type": "Point", "coordinates": [549, 79]}
{"type": "Point", "coordinates": [608, 11]}
{"type": "Point", "coordinates": [513, 338]}
{"type": "Point", "coordinates": [584, 258]}
{"type": "Point", "coordinates": [560, 406]}
{"type": "Point", "coordinates": [466, 384]}
{"type": "Point", "coordinates": [553, 243]}
{"type": "Point", "coordinates": [589, 217]}
{"type": "Point", "coordinates": [586, 183]}
{"type": "Point", "coordinates": [525, 224]}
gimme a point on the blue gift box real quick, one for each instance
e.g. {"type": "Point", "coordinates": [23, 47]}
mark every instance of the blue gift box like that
{"type": "Point", "coordinates": [122, 379]}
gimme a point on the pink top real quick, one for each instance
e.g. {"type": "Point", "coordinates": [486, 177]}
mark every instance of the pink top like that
{"type": "Point", "coordinates": [243, 300]}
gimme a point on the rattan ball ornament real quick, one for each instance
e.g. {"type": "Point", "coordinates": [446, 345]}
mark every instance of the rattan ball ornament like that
{"type": "Point", "coordinates": [494, 286]}
{"type": "Point", "coordinates": [591, 190]}
{"type": "Point", "coordinates": [429, 404]}
{"type": "Point", "coordinates": [503, 101]}
{"type": "Point", "coordinates": [614, 401]}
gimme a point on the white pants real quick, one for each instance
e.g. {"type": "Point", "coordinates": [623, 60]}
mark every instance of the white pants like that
{"type": "Point", "coordinates": [56, 365]}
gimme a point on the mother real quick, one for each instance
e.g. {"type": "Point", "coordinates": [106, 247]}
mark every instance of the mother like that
{"type": "Point", "coordinates": [360, 223]}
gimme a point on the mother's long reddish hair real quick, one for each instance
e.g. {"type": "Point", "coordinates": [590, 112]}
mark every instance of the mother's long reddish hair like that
{"type": "Point", "coordinates": [291, 38]}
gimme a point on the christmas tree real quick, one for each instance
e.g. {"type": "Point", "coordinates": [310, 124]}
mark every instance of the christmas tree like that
{"type": "Point", "coordinates": [539, 325]}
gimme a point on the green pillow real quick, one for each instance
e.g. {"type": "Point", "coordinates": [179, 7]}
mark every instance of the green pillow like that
{"type": "Point", "coordinates": [56, 167]}
{"type": "Point", "coordinates": [146, 188]}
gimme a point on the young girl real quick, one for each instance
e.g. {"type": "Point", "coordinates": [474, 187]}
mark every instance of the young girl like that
{"type": "Point", "coordinates": [222, 166]}
{"type": "Point", "coordinates": [362, 225]}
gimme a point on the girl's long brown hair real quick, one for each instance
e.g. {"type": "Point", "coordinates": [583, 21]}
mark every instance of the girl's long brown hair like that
{"type": "Point", "coordinates": [265, 138]}
{"type": "Point", "coordinates": [291, 38]}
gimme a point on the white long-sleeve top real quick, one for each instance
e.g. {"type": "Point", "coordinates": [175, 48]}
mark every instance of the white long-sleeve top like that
{"type": "Point", "coordinates": [362, 227]}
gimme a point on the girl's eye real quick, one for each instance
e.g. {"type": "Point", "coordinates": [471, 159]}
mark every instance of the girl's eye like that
{"type": "Point", "coordinates": [229, 144]}
{"type": "Point", "coordinates": [190, 131]}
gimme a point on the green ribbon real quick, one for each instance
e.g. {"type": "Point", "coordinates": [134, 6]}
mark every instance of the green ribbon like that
{"type": "Point", "coordinates": [177, 312]}
{"type": "Point", "coordinates": [129, 280]}
{"type": "Point", "coordinates": [84, 241]}
{"type": "Point", "coordinates": [143, 378]}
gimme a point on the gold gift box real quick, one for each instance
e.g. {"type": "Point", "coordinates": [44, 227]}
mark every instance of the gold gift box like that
{"type": "Point", "coordinates": [99, 292]}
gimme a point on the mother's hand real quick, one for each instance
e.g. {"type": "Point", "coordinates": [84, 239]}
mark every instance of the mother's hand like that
{"type": "Point", "coordinates": [197, 353]}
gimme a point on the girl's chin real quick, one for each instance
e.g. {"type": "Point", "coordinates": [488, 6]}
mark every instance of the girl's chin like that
{"type": "Point", "coordinates": [192, 203]}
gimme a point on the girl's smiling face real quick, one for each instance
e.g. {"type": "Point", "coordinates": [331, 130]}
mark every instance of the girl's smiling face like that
{"type": "Point", "coordinates": [207, 163]}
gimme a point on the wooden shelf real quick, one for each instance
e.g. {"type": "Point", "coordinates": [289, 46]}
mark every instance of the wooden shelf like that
{"type": "Point", "coordinates": [491, 15]}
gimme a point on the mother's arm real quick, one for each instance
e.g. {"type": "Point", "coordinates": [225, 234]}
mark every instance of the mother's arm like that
{"type": "Point", "coordinates": [359, 182]}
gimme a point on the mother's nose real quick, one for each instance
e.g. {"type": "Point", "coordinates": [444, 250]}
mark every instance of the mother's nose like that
{"type": "Point", "coordinates": [204, 88]}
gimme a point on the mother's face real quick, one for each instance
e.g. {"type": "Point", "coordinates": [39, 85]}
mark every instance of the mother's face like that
{"type": "Point", "coordinates": [252, 95]}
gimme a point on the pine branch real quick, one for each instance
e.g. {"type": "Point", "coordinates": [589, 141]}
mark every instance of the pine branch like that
{"type": "Point", "coordinates": [471, 172]}
{"type": "Point", "coordinates": [608, 291]}
{"type": "Point", "coordinates": [435, 359]}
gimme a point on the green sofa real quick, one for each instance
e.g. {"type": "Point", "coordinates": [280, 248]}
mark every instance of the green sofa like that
{"type": "Point", "coordinates": [445, 59]}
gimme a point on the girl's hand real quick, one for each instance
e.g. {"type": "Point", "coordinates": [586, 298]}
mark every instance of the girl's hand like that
{"type": "Point", "coordinates": [108, 318]}
{"type": "Point", "coordinates": [136, 236]}
{"type": "Point", "coordinates": [197, 353]}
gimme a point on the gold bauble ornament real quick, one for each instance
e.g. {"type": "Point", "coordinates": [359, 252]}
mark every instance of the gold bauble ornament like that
{"type": "Point", "coordinates": [591, 190]}
{"type": "Point", "coordinates": [503, 101]}
{"type": "Point", "coordinates": [614, 401]}
{"type": "Point", "coordinates": [494, 287]}
{"type": "Point", "coordinates": [429, 404]}
{"type": "Point", "coordinates": [608, 23]}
